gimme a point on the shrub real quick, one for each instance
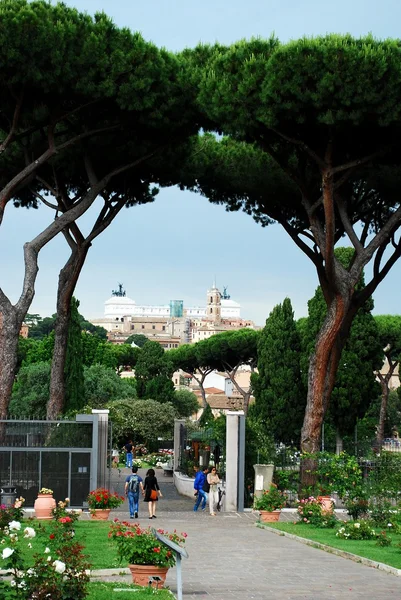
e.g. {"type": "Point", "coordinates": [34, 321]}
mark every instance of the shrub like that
{"type": "Point", "coordinates": [356, 530]}
{"type": "Point", "coordinates": [357, 507]}
{"type": "Point", "coordinates": [310, 511]}
{"type": "Point", "coordinates": [102, 498]}
{"type": "Point", "coordinates": [140, 547]}
{"type": "Point", "coordinates": [271, 499]}
{"type": "Point", "coordinates": [11, 513]}
{"type": "Point", "coordinates": [383, 539]}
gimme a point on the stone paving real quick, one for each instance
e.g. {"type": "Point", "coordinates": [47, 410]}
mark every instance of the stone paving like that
{"type": "Point", "coordinates": [230, 558]}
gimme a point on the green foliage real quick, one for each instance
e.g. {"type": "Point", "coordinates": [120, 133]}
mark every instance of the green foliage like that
{"type": "Point", "coordinates": [357, 506]}
{"type": "Point", "coordinates": [153, 373]}
{"type": "Point", "coordinates": [31, 391]}
{"type": "Point", "coordinates": [138, 339]}
{"type": "Point", "coordinates": [207, 418]}
{"type": "Point", "coordinates": [385, 478]}
{"type": "Point", "coordinates": [73, 369]}
{"type": "Point", "coordinates": [103, 498]}
{"type": "Point", "coordinates": [186, 403]}
{"type": "Point", "coordinates": [280, 397]}
{"type": "Point", "coordinates": [102, 385]}
{"type": "Point", "coordinates": [336, 473]}
{"type": "Point", "coordinates": [142, 420]}
{"type": "Point", "coordinates": [286, 480]}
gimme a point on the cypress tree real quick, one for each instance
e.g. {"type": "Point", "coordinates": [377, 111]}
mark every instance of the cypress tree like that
{"type": "Point", "coordinates": [74, 371]}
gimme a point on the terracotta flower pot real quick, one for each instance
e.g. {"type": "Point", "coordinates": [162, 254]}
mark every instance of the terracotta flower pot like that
{"type": "Point", "coordinates": [267, 516]}
{"type": "Point", "coordinates": [142, 573]}
{"type": "Point", "coordinates": [327, 504]}
{"type": "Point", "coordinates": [100, 514]}
{"type": "Point", "coordinates": [43, 506]}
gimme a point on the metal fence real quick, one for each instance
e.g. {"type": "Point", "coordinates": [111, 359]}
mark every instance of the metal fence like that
{"type": "Point", "coordinates": [61, 455]}
{"type": "Point", "coordinates": [199, 447]}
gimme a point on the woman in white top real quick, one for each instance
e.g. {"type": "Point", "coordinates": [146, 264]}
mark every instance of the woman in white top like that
{"type": "Point", "coordinates": [213, 480]}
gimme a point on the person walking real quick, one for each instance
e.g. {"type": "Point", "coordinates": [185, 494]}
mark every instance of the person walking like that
{"type": "Point", "coordinates": [201, 495]}
{"type": "Point", "coordinates": [128, 453]}
{"type": "Point", "coordinates": [213, 480]}
{"type": "Point", "coordinates": [133, 485]}
{"type": "Point", "coordinates": [152, 492]}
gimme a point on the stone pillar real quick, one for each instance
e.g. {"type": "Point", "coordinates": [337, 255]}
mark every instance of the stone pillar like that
{"type": "Point", "coordinates": [102, 426]}
{"type": "Point", "coordinates": [235, 464]}
{"type": "Point", "coordinates": [177, 441]}
{"type": "Point", "coordinates": [263, 478]}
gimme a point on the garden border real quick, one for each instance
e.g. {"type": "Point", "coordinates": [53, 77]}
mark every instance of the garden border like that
{"type": "Point", "coordinates": [342, 553]}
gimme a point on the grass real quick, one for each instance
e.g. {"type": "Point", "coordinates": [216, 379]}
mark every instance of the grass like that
{"type": "Point", "coordinates": [103, 591]}
{"type": "Point", "coordinates": [390, 555]}
{"type": "Point", "coordinates": [101, 552]}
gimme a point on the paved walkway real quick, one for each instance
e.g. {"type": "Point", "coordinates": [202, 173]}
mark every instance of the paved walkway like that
{"type": "Point", "coordinates": [230, 558]}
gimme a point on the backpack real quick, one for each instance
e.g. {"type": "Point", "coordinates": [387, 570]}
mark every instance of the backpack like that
{"type": "Point", "coordinates": [133, 483]}
{"type": "Point", "coordinates": [206, 486]}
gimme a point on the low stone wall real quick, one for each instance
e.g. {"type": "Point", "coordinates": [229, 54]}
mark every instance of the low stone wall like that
{"type": "Point", "coordinates": [183, 484]}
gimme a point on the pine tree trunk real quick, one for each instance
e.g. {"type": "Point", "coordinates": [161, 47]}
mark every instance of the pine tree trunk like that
{"type": "Point", "coordinates": [10, 326]}
{"type": "Point", "coordinates": [68, 278]}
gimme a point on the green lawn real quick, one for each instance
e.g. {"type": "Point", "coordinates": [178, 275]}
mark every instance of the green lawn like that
{"type": "Point", "coordinates": [103, 591]}
{"type": "Point", "coordinates": [100, 550]}
{"type": "Point", "coordinates": [390, 555]}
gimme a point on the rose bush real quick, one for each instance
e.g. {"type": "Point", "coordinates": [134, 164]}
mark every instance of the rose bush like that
{"type": "Point", "coordinates": [138, 546]}
{"type": "Point", "coordinates": [59, 572]}
{"type": "Point", "coordinates": [11, 513]}
{"type": "Point", "coordinates": [311, 511]}
{"type": "Point", "coordinates": [356, 530]}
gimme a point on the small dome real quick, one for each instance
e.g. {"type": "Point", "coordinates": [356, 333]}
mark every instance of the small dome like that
{"type": "Point", "coordinates": [119, 300]}
{"type": "Point", "coordinates": [230, 304]}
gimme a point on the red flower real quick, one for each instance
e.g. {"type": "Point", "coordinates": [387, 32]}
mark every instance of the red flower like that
{"type": "Point", "coordinates": [156, 549]}
{"type": "Point", "coordinates": [52, 536]}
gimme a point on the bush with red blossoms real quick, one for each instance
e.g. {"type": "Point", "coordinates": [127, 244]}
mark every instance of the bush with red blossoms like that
{"type": "Point", "coordinates": [138, 546]}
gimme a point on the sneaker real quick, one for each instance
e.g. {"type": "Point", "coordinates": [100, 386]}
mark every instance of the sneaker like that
{"type": "Point", "coordinates": [203, 509]}
{"type": "Point", "coordinates": [136, 516]}
{"type": "Point", "coordinates": [131, 517]}
{"type": "Point", "coordinates": [212, 514]}
{"type": "Point", "coordinates": [150, 517]}
{"type": "Point", "coordinates": [154, 517]}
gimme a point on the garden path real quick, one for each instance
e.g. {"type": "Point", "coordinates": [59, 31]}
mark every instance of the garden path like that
{"type": "Point", "coordinates": [231, 559]}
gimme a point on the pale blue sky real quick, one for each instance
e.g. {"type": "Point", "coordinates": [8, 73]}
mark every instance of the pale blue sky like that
{"type": "Point", "coordinates": [175, 247]}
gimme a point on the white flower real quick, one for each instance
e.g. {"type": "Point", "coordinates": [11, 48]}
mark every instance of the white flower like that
{"type": "Point", "coordinates": [31, 572]}
{"type": "Point", "coordinates": [49, 558]}
{"type": "Point", "coordinates": [389, 524]}
{"type": "Point", "coordinates": [29, 545]}
{"type": "Point", "coordinates": [13, 537]}
{"type": "Point", "coordinates": [22, 584]}
{"type": "Point", "coordinates": [13, 583]}
{"type": "Point", "coordinates": [59, 566]}
{"type": "Point", "coordinates": [7, 552]}
{"type": "Point", "coordinates": [357, 525]}
{"type": "Point", "coordinates": [47, 550]}
{"type": "Point", "coordinates": [14, 526]}
{"type": "Point", "coordinates": [29, 532]}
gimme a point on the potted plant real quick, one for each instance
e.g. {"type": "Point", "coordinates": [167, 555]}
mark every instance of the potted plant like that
{"type": "Point", "coordinates": [44, 504]}
{"type": "Point", "coordinates": [270, 503]}
{"type": "Point", "coordinates": [146, 555]}
{"type": "Point", "coordinates": [101, 501]}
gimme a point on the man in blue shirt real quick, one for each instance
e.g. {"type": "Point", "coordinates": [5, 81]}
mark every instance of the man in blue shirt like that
{"type": "Point", "coordinates": [201, 495]}
{"type": "Point", "coordinates": [133, 484]}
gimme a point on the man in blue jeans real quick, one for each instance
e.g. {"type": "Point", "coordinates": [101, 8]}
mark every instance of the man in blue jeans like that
{"type": "Point", "coordinates": [128, 453]}
{"type": "Point", "coordinates": [201, 495]}
{"type": "Point", "coordinates": [133, 484]}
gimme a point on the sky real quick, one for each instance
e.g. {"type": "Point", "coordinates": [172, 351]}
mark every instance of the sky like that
{"type": "Point", "coordinates": [177, 246]}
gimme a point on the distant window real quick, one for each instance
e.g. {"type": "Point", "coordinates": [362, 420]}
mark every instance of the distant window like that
{"type": "Point", "coordinates": [211, 298]}
{"type": "Point", "coordinates": [143, 326]}
{"type": "Point", "coordinates": [153, 327]}
{"type": "Point", "coordinates": [132, 326]}
{"type": "Point", "coordinates": [164, 328]}
{"type": "Point", "coordinates": [211, 310]}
